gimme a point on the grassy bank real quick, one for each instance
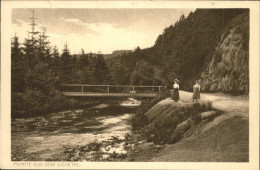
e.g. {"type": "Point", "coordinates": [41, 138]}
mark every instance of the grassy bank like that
{"type": "Point", "coordinates": [24, 106]}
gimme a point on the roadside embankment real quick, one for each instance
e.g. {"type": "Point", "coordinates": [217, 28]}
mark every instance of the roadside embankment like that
{"type": "Point", "coordinates": [215, 129]}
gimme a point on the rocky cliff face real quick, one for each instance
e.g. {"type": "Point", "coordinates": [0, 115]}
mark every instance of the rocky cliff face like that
{"type": "Point", "coordinates": [228, 70]}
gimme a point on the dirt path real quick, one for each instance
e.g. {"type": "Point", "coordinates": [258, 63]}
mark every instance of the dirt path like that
{"type": "Point", "coordinates": [231, 105]}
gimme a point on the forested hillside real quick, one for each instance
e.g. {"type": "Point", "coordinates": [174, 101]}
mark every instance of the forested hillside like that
{"type": "Point", "coordinates": [116, 53]}
{"type": "Point", "coordinates": [208, 44]}
{"type": "Point", "coordinates": [182, 51]}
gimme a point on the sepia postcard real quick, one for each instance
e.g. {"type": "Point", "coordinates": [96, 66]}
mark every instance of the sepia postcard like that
{"type": "Point", "coordinates": [130, 85]}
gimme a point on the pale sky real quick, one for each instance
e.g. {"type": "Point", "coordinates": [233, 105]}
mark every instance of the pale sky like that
{"type": "Point", "coordinates": [96, 30]}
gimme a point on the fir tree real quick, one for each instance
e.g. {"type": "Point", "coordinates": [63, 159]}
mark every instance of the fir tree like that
{"type": "Point", "coordinates": [66, 65]}
{"type": "Point", "coordinates": [18, 67]}
{"type": "Point", "coordinates": [44, 50]}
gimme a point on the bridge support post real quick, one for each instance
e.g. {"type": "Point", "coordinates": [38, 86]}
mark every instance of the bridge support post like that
{"type": "Point", "coordinates": [82, 89]}
{"type": "Point", "coordinates": [159, 88]}
{"type": "Point", "coordinates": [107, 89]}
{"type": "Point", "coordinates": [133, 88]}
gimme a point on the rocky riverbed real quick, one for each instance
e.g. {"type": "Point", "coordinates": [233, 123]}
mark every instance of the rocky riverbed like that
{"type": "Point", "coordinates": [99, 133]}
{"type": "Point", "coordinates": [114, 148]}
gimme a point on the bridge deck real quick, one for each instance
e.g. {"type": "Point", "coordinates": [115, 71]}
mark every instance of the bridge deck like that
{"type": "Point", "coordinates": [90, 94]}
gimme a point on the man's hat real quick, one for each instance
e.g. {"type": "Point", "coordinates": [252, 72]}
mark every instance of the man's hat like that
{"type": "Point", "coordinates": [176, 80]}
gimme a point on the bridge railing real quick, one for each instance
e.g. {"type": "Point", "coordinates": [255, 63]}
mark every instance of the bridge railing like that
{"type": "Point", "coordinates": [109, 88]}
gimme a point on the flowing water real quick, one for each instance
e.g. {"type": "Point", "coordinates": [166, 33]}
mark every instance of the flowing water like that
{"type": "Point", "coordinates": [40, 138]}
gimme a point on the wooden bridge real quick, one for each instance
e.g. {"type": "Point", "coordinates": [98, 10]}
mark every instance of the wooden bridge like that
{"type": "Point", "coordinates": [87, 90]}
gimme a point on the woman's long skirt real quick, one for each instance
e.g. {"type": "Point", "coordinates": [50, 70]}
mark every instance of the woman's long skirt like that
{"type": "Point", "coordinates": [175, 95]}
{"type": "Point", "coordinates": [196, 93]}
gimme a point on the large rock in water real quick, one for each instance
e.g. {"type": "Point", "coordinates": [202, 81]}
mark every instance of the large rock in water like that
{"type": "Point", "coordinates": [228, 70]}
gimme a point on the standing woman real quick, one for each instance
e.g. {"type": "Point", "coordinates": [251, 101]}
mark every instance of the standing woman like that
{"type": "Point", "coordinates": [196, 91]}
{"type": "Point", "coordinates": [176, 87]}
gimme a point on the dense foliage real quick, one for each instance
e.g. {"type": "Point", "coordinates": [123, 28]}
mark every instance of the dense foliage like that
{"type": "Point", "coordinates": [38, 70]}
{"type": "Point", "coordinates": [182, 51]}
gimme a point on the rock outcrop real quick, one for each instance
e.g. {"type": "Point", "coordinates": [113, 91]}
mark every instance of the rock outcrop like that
{"type": "Point", "coordinates": [168, 121]}
{"type": "Point", "coordinates": [228, 70]}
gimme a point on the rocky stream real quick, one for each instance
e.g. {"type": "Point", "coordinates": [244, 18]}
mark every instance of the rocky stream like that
{"type": "Point", "coordinates": [100, 133]}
